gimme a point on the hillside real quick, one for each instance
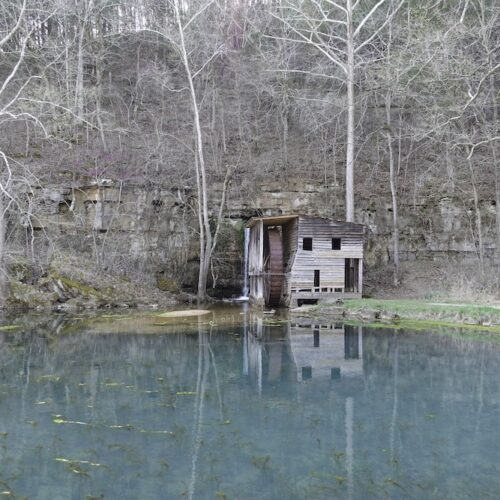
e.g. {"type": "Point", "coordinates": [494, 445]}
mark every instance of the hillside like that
{"type": "Point", "coordinates": [117, 124]}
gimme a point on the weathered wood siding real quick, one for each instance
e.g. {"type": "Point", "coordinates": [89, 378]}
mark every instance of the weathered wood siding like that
{"type": "Point", "coordinates": [330, 263]}
{"type": "Point", "coordinates": [300, 265]}
{"type": "Point", "coordinates": [290, 238]}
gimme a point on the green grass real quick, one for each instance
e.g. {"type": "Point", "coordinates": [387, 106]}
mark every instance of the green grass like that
{"type": "Point", "coordinates": [461, 330]}
{"type": "Point", "coordinates": [471, 318]}
{"type": "Point", "coordinates": [409, 307]}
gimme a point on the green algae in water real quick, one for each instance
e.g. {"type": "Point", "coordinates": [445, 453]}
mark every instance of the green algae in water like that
{"type": "Point", "coordinates": [77, 462]}
{"type": "Point", "coordinates": [187, 313]}
{"type": "Point", "coordinates": [9, 328]}
{"type": "Point", "coordinates": [48, 378]}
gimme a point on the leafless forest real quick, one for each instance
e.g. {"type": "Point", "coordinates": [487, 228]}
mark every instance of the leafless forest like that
{"type": "Point", "coordinates": [122, 117]}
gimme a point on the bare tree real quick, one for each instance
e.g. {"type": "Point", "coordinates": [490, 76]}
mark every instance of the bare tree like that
{"type": "Point", "coordinates": [342, 32]}
{"type": "Point", "coordinates": [17, 35]}
{"type": "Point", "coordinates": [182, 34]}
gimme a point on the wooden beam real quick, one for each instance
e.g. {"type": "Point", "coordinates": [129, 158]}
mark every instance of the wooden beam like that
{"type": "Point", "coordinates": [360, 276]}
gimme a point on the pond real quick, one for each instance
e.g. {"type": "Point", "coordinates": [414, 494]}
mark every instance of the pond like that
{"type": "Point", "coordinates": [241, 405]}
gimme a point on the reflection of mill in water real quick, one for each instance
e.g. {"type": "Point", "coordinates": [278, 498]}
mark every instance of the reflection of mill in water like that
{"type": "Point", "coordinates": [301, 351]}
{"type": "Point", "coordinates": [328, 350]}
{"type": "Point", "coordinates": [307, 353]}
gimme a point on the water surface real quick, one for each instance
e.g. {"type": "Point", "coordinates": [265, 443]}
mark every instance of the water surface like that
{"type": "Point", "coordinates": [251, 408]}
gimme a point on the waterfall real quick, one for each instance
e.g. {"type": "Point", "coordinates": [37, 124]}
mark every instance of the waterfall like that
{"type": "Point", "coordinates": [245, 290]}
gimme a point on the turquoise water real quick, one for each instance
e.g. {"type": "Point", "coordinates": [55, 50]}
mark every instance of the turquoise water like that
{"type": "Point", "coordinates": [255, 409]}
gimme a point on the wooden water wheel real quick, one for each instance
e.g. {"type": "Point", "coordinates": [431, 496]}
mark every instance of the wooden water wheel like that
{"type": "Point", "coordinates": [273, 267]}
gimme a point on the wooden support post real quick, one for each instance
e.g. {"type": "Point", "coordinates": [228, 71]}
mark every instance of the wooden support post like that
{"type": "Point", "coordinates": [260, 284]}
{"type": "Point", "coordinates": [360, 277]}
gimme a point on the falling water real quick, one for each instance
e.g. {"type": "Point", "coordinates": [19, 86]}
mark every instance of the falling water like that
{"type": "Point", "coordinates": [245, 289]}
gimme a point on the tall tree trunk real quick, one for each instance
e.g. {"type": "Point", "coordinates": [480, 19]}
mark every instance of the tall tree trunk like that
{"type": "Point", "coordinates": [98, 61]}
{"type": "Point", "coordinates": [205, 233]}
{"type": "Point", "coordinates": [79, 75]}
{"type": "Point", "coordinates": [479, 219]}
{"type": "Point", "coordinates": [497, 201]}
{"type": "Point", "coordinates": [349, 172]}
{"type": "Point", "coordinates": [4, 285]}
{"type": "Point", "coordinates": [392, 183]}
{"type": "Point", "coordinates": [496, 165]}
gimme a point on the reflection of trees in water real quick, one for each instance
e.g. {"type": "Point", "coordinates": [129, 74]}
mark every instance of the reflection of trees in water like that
{"type": "Point", "coordinates": [266, 352]}
{"type": "Point", "coordinates": [84, 365]}
{"type": "Point", "coordinates": [449, 363]}
{"type": "Point", "coordinates": [424, 399]}
{"type": "Point", "coordinates": [201, 385]}
{"type": "Point", "coordinates": [428, 400]}
{"type": "Point", "coordinates": [148, 382]}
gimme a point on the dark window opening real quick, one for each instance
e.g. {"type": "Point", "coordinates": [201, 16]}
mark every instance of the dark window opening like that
{"type": "Point", "coordinates": [351, 275]}
{"type": "Point", "coordinates": [336, 243]}
{"type": "Point", "coordinates": [351, 342]}
{"type": "Point", "coordinates": [306, 372]}
{"type": "Point", "coordinates": [335, 373]}
{"type": "Point", "coordinates": [307, 244]}
{"type": "Point", "coordinates": [311, 302]}
{"type": "Point", "coordinates": [338, 290]}
{"type": "Point", "coordinates": [316, 277]}
{"type": "Point", "coordinates": [316, 338]}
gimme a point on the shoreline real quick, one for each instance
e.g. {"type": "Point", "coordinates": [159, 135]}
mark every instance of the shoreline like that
{"type": "Point", "coordinates": [409, 313]}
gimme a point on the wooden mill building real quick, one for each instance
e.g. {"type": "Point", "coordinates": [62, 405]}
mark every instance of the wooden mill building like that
{"type": "Point", "coordinates": [295, 259]}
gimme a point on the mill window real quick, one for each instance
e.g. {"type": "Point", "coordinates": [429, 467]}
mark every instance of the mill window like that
{"type": "Point", "coordinates": [316, 277]}
{"type": "Point", "coordinates": [336, 243]}
{"type": "Point", "coordinates": [307, 244]}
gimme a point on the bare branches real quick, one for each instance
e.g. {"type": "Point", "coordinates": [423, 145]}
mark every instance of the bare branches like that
{"type": "Point", "coordinates": [16, 27]}
{"type": "Point", "coordinates": [473, 96]}
{"type": "Point", "coordinates": [198, 13]}
{"type": "Point", "coordinates": [310, 73]}
{"type": "Point", "coordinates": [342, 49]}
{"type": "Point", "coordinates": [318, 44]}
{"type": "Point", "coordinates": [337, 6]}
{"type": "Point", "coordinates": [470, 147]}
{"type": "Point", "coordinates": [380, 28]}
{"type": "Point", "coordinates": [17, 65]}
{"type": "Point", "coordinates": [367, 18]}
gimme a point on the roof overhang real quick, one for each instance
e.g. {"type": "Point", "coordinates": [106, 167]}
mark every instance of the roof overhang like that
{"type": "Point", "coordinates": [277, 220]}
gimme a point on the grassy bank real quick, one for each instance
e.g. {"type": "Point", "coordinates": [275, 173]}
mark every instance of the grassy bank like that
{"type": "Point", "coordinates": [485, 317]}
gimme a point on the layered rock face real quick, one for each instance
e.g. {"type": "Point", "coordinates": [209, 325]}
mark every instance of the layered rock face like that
{"type": "Point", "coordinates": [151, 235]}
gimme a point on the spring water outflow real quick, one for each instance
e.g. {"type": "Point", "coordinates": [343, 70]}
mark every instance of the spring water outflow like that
{"type": "Point", "coordinates": [245, 290]}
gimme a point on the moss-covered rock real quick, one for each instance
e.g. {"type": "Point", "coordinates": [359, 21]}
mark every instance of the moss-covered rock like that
{"type": "Point", "coordinates": [25, 296]}
{"type": "Point", "coordinates": [167, 285]}
{"type": "Point", "coordinates": [72, 283]}
{"type": "Point", "coordinates": [22, 270]}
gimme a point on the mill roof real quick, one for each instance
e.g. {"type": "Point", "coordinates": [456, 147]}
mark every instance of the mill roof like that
{"type": "Point", "coordinates": [278, 220]}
